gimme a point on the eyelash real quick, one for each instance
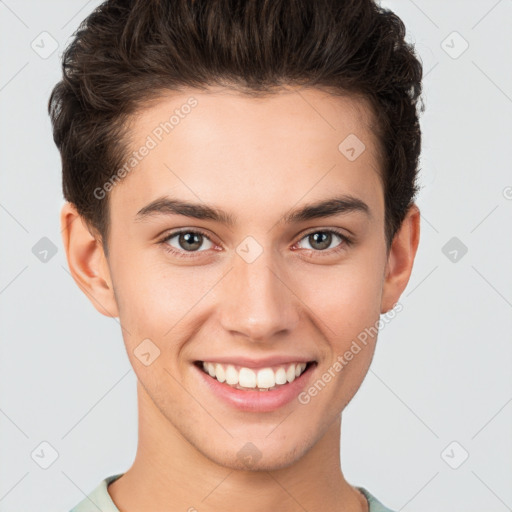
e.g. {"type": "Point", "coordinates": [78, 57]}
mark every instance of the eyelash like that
{"type": "Point", "coordinates": [346, 242]}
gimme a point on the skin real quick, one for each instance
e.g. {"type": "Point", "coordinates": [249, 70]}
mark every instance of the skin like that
{"type": "Point", "coordinates": [293, 299]}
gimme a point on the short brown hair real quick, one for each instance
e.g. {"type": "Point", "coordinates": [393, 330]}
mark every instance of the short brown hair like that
{"type": "Point", "coordinates": [127, 52]}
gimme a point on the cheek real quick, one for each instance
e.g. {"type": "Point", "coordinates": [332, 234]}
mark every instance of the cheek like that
{"type": "Point", "coordinates": [158, 300]}
{"type": "Point", "coordinates": [345, 299]}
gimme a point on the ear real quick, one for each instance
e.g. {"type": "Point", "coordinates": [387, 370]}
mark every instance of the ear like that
{"type": "Point", "coordinates": [87, 262]}
{"type": "Point", "coordinates": [400, 259]}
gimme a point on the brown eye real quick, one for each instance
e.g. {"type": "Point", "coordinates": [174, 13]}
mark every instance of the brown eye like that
{"type": "Point", "coordinates": [322, 240]}
{"type": "Point", "coordinates": [188, 241]}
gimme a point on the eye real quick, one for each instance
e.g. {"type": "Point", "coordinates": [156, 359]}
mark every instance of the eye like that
{"type": "Point", "coordinates": [187, 240]}
{"type": "Point", "coordinates": [321, 240]}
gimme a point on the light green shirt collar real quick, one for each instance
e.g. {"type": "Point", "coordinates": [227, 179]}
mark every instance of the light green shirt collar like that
{"type": "Point", "coordinates": [99, 499]}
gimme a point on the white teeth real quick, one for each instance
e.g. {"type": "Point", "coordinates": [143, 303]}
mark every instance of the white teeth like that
{"type": "Point", "coordinates": [290, 373]}
{"type": "Point", "coordinates": [281, 376]}
{"type": "Point", "coordinates": [266, 378]}
{"type": "Point", "coordinates": [231, 375]}
{"type": "Point", "coordinates": [220, 375]}
{"type": "Point", "coordinates": [247, 378]}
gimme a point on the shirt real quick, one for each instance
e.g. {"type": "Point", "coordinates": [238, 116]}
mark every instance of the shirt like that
{"type": "Point", "coordinates": [99, 499]}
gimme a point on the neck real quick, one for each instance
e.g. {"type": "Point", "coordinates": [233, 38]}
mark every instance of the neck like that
{"type": "Point", "coordinates": [175, 476]}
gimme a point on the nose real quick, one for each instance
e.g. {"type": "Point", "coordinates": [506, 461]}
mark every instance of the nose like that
{"type": "Point", "coordinates": [257, 301]}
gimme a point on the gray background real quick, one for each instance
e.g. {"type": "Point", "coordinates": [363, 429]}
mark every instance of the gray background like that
{"type": "Point", "coordinates": [440, 385]}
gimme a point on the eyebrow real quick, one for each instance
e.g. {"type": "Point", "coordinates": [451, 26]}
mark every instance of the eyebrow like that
{"type": "Point", "coordinates": [326, 208]}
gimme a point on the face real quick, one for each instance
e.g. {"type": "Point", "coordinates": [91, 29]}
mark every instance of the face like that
{"type": "Point", "coordinates": [241, 280]}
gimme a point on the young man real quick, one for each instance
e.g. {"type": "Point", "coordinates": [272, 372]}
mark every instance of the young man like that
{"type": "Point", "coordinates": [240, 180]}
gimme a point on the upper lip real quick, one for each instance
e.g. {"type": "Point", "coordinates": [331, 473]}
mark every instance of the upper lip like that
{"type": "Point", "coordinates": [250, 362]}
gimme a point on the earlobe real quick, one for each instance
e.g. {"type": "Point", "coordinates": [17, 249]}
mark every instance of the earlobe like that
{"type": "Point", "coordinates": [401, 259]}
{"type": "Point", "coordinates": [87, 262]}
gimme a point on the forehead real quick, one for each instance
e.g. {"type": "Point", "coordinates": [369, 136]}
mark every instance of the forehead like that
{"type": "Point", "coordinates": [220, 112]}
{"type": "Point", "coordinates": [274, 150]}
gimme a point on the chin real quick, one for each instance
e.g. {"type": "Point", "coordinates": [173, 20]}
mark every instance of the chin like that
{"type": "Point", "coordinates": [258, 456]}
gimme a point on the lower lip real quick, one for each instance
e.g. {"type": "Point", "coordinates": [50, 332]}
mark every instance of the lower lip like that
{"type": "Point", "coordinates": [254, 400]}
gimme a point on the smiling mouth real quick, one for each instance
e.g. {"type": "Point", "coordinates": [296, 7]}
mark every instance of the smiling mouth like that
{"type": "Point", "coordinates": [255, 379]}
